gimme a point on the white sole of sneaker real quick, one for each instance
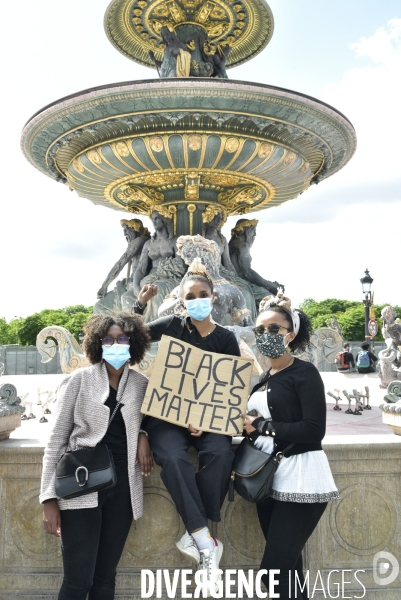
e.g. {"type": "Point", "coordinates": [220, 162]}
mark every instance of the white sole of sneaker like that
{"type": "Point", "coordinates": [191, 553]}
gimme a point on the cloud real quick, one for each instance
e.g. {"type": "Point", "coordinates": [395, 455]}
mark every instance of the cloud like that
{"type": "Point", "coordinates": [370, 96]}
{"type": "Point", "coordinates": [383, 46]}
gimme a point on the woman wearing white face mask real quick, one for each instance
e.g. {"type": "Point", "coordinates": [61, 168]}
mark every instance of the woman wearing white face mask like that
{"type": "Point", "coordinates": [99, 404]}
{"type": "Point", "coordinates": [198, 496]}
{"type": "Point", "coordinates": [291, 407]}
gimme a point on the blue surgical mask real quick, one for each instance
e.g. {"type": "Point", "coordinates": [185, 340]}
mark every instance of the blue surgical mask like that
{"type": "Point", "coordinates": [199, 309]}
{"type": "Point", "coordinates": [116, 355]}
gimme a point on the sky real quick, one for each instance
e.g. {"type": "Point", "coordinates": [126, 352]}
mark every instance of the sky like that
{"type": "Point", "coordinates": [57, 248]}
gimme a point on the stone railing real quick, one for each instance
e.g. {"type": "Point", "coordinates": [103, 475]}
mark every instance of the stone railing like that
{"type": "Point", "coordinates": [365, 521]}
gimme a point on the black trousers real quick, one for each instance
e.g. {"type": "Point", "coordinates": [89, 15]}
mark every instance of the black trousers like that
{"type": "Point", "coordinates": [199, 495]}
{"type": "Point", "coordinates": [287, 527]}
{"type": "Point", "coordinates": [92, 541]}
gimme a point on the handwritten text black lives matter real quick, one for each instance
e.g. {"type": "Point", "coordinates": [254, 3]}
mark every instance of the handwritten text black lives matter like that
{"type": "Point", "coordinates": [204, 389]}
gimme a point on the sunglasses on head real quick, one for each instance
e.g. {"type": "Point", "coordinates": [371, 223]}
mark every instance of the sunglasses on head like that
{"type": "Point", "coordinates": [259, 330]}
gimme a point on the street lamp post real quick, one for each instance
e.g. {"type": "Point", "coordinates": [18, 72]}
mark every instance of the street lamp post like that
{"type": "Point", "coordinates": [366, 282]}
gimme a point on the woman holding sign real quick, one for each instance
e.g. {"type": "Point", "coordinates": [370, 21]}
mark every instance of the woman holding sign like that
{"type": "Point", "coordinates": [199, 495]}
{"type": "Point", "coordinates": [291, 412]}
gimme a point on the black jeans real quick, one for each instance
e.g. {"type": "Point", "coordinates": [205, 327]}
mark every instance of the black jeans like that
{"type": "Point", "coordinates": [198, 496]}
{"type": "Point", "coordinates": [92, 541]}
{"type": "Point", "coordinates": [287, 527]}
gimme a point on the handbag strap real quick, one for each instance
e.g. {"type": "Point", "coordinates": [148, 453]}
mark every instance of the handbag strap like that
{"type": "Point", "coordinates": [282, 452]}
{"type": "Point", "coordinates": [119, 402]}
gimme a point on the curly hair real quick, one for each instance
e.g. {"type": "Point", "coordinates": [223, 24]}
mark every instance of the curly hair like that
{"type": "Point", "coordinates": [302, 340]}
{"type": "Point", "coordinates": [97, 327]}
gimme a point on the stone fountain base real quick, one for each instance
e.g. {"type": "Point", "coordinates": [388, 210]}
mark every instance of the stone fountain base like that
{"type": "Point", "coordinates": [8, 424]}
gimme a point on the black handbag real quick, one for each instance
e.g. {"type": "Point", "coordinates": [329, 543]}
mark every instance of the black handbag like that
{"type": "Point", "coordinates": [81, 472]}
{"type": "Point", "coordinates": [253, 472]}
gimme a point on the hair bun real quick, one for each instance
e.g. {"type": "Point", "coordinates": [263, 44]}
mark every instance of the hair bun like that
{"type": "Point", "coordinates": [197, 267]}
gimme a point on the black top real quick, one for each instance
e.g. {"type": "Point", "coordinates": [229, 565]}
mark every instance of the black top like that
{"type": "Point", "coordinates": [116, 436]}
{"type": "Point", "coordinates": [221, 340]}
{"type": "Point", "coordinates": [297, 404]}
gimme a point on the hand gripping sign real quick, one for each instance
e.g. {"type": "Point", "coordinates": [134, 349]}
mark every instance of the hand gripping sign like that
{"type": "Point", "coordinates": [204, 389]}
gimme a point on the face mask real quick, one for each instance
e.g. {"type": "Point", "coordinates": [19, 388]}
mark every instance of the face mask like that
{"type": "Point", "coordinates": [199, 308]}
{"type": "Point", "coordinates": [271, 345]}
{"type": "Point", "coordinates": [116, 355]}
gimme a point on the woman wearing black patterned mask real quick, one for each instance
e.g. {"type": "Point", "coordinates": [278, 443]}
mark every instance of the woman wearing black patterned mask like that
{"type": "Point", "coordinates": [291, 407]}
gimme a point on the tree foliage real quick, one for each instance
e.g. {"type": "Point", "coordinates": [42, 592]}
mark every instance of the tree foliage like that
{"type": "Point", "coordinates": [24, 331]}
{"type": "Point", "coordinates": [349, 314]}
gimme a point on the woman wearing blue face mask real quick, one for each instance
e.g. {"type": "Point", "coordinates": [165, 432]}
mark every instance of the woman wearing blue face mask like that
{"type": "Point", "coordinates": [198, 496]}
{"type": "Point", "coordinates": [99, 404]}
{"type": "Point", "coordinates": [291, 418]}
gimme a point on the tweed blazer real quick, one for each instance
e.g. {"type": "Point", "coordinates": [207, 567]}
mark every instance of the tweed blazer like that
{"type": "Point", "coordinates": [81, 421]}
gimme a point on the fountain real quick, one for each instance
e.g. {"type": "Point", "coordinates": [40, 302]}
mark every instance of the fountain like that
{"type": "Point", "coordinates": [192, 143]}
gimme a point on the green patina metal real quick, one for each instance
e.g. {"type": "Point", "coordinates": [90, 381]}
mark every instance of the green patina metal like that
{"type": "Point", "coordinates": [183, 144]}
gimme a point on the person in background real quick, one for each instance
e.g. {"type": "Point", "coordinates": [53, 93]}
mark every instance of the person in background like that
{"type": "Point", "coordinates": [365, 359]}
{"type": "Point", "coordinates": [347, 363]}
{"type": "Point", "coordinates": [94, 527]}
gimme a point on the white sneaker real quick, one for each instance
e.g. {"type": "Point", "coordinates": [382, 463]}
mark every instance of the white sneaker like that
{"type": "Point", "coordinates": [187, 546]}
{"type": "Point", "coordinates": [209, 562]}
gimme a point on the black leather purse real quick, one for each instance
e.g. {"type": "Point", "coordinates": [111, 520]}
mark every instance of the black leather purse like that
{"type": "Point", "coordinates": [81, 472]}
{"type": "Point", "coordinates": [253, 472]}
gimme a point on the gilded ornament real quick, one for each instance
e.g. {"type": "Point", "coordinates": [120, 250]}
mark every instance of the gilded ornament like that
{"type": "Point", "coordinates": [135, 224]}
{"type": "Point", "coordinates": [156, 143]}
{"type": "Point", "coordinates": [161, 11]}
{"type": "Point", "coordinates": [265, 150]}
{"type": "Point", "coordinates": [232, 145]}
{"type": "Point", "coordinates": [158, 179]}
{"type": "Point", "coordinates": [194, 142]}
{"type": "Point", "coordinates": [191, 191]}
{"type": "Point", "coordinates": [218, 18]}
{"type": "Point", "coordinates": [78, 166]}
{"type": "Point", "coordinates": [247, 195]}
{"type": "Point", "coordinates": [216, 30]}
{"type": "Point", "coordinates": [176, 12]}
{"type": "Point", "coordinates": [162, 210]}
{"type": "Point", "coordinates": [241, 226]}
{"type": "Point", "coordinates": [304, 168]}
{"type": "Point", "coordinates": [289, 158]}
{"type": "Point", "coordinates": [218, 13]}
{"type": "Point", "coordinates": [222, 180]}
{"type": "Point", "coordinates": [203, 13]}
{"type": "Point", "coordinates": [94, 157]}
{"type": "Point", "coordinates": [122, 149]}
{"type": "Point", "coordinates": [211, 211]}
{"type": "Point", "coordinates": [132, 193]}
{"type": "Point", "coordinates": [191, 208]}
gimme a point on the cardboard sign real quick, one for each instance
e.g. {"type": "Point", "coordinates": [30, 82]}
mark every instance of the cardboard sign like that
{"type": "Point", "coordinates": [204, 389]}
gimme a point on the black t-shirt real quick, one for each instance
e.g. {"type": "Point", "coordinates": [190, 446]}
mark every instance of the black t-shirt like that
{"type": "Point", "coordinates": [220, 340]}
{"type": "Point", "coordinates": [116, 435]}
{"type": "Point", "coordinates": [297, 404]}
